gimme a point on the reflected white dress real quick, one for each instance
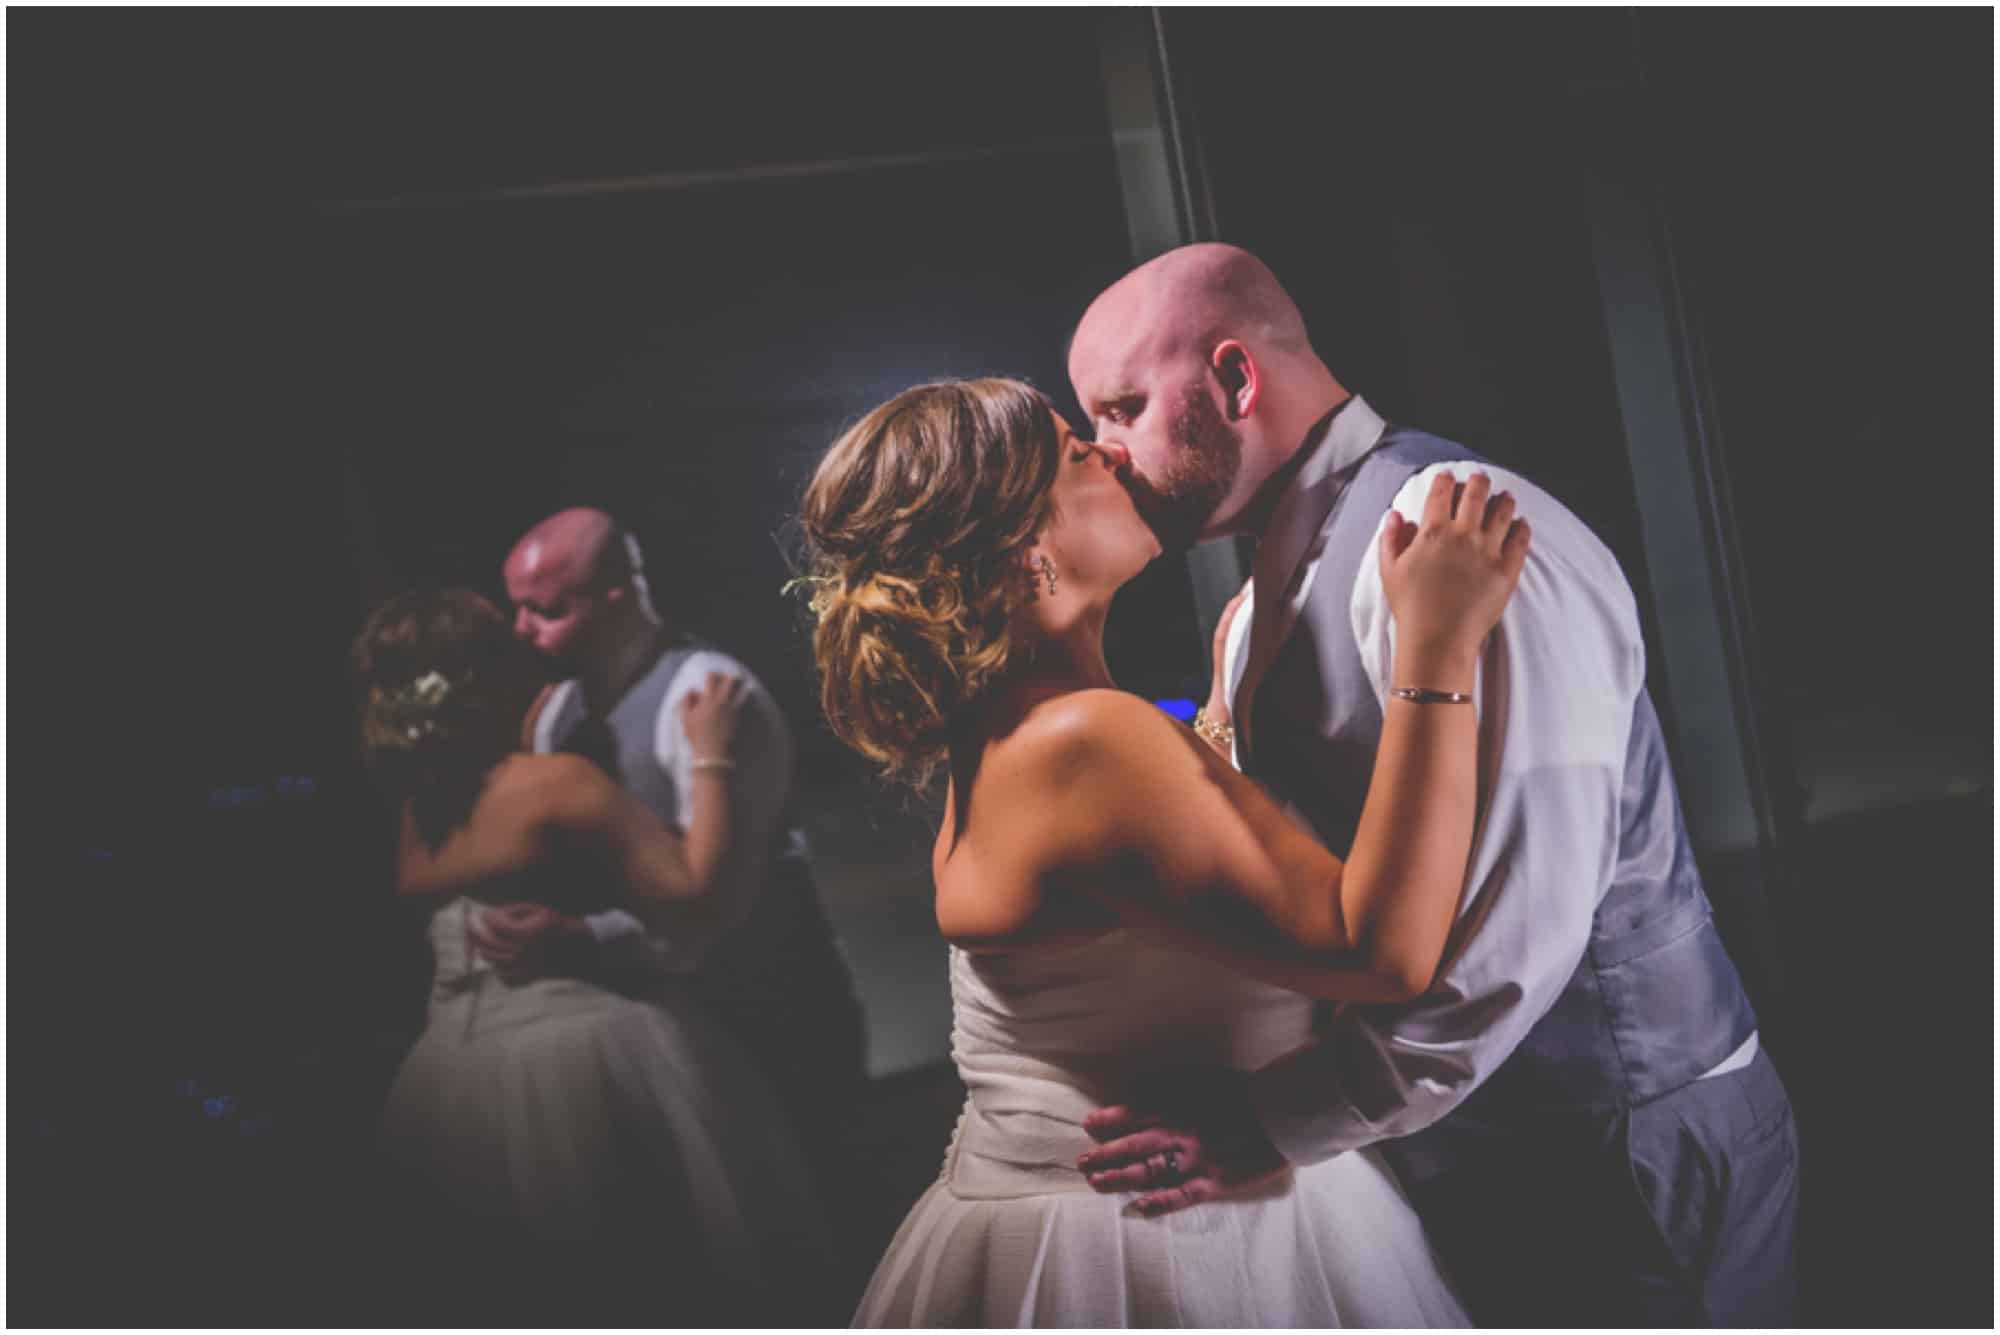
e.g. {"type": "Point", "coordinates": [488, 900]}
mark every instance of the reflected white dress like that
{"type": "Point", "coordinates": [567, 1116]}
{"type": "Point", "coordinates": [1012, 1235]}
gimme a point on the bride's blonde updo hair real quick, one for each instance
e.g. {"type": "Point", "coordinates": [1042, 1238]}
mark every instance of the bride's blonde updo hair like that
{"type": "Point", "coordinates": [915, 522]}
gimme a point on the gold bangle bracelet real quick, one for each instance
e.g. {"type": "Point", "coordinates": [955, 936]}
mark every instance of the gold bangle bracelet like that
{"type": "Point", "coordinates": [1212, 732]}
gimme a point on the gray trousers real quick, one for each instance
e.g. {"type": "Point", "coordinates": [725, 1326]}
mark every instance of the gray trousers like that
{"type": "Point", "coordinates": [1679, 1212]}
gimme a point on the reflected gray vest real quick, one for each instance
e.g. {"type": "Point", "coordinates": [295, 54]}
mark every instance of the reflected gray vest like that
{"type": "Point", "coordinates": [627, 754]}
{"type": "Point", "coordinates": [1656, 1000]}
{"type": "Point", "coordinates": [776, 979]}
{"type": "Point", "coordinates": [625, 747]}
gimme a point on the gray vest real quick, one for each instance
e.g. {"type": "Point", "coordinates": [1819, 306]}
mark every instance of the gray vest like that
{"type": "Point", "coordinates": [627, 754]}
{"type": "Point", "coordinates": [1656, 1000]}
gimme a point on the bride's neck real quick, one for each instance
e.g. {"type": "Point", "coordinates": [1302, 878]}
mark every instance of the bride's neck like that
{"type": "Point", "coordinates": [1053, 665]}
{"type": "Point", "coordinates": [1072, 660]}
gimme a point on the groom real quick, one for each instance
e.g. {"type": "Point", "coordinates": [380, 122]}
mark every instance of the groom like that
{"type": "Point", "coordinates": [1578, 1107]}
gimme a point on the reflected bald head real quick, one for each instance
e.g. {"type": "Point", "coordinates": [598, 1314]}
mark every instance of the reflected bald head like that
{"type": "Point", "coordinates": [569, 550]}
{"type": "Point", "coordinates": [577, 594]}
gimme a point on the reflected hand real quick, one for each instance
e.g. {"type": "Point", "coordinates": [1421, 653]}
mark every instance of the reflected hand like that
{"type": "Point", "coordinates": [709, 714]}
{"type": "Point", "coordinates": [530, 940]}
{"type": "Point", "coordinates": [1190, 1141]}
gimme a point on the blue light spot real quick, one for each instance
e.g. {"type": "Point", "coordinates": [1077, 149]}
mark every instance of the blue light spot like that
{"type": "Point", "coordinates": [222, 1105]}
{"type": "Point", "coordinates": [1180, 709]}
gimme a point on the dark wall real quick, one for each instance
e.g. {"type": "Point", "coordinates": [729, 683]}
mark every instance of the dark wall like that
{"type": "Point", "coordinates": [1823, 184]}
{"type": "Point", "coordinates": [1834, 203]}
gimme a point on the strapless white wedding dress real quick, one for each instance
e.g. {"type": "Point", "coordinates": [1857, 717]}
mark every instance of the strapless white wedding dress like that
{"type": "Point", "coordinates": [573, 1120]}
{"type": "Point", "coordinates": [1012, 1235]}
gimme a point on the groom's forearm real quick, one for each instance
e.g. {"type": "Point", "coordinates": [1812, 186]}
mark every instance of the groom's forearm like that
{"type": "Point", "coordinates": [1338, 1095]}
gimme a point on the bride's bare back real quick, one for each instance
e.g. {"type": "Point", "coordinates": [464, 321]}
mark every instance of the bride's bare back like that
{"type": "Point", "coordinates": [512, 846]}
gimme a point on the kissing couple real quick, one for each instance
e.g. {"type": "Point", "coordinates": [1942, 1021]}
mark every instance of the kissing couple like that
{"type": "Point", "coordinates": [1428, 786]}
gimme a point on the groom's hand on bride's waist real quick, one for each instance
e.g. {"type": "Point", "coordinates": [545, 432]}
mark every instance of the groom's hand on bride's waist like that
{"type": "Point", "coordinates": [530, 940]}
{"type": "Point", "coordinates": [1183, 1143]}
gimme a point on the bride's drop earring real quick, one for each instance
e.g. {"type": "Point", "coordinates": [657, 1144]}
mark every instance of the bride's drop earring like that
{"type": "Point", "coordinates": [1048, 569]}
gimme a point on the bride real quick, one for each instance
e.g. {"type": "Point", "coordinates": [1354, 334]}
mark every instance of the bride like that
{"type": "Point", "coordinates": [1118, 900]}
{"type": "Point", "coordinates": [568, 1144]}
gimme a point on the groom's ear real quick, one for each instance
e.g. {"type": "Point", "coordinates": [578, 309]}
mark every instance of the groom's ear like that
{"type": "Point", "coordinates": [1236, 369]}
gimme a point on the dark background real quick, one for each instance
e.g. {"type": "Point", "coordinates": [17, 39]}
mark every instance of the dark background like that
{"type": "Point", "coordinates": [308, 306]}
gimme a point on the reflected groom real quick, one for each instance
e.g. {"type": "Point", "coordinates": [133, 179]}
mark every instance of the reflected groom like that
{"type": "Point", "coordinates": [754, 946]}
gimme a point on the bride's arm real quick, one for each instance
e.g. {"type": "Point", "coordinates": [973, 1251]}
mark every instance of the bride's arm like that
{"type": "Point", "coordinates": [1151, 821]}
{"type": "Point", "coordinates": [655, 866]}
{"type": "Point", "coordinates": [1184, 848]}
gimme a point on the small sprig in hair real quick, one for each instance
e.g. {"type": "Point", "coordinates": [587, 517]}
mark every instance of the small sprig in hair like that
{"type": "Point", "coordinates": [399, 717]}
{"type": "Point", "coordinates": [443, 686]}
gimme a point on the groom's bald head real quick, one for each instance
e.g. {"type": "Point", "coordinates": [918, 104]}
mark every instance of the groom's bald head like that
{"type": "Point", "coordinates": [1198, 363]}
{"type": "Point", "coordinates": [1191, 298]}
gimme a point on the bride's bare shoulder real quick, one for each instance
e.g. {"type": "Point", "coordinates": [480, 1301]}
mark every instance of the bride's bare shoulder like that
{"type": "Point", "coordinates": [1082, 718]}
{"type": "Point", "coordinates": [1037, 823]}
{"type": "Point", "coordinates": [1084, 738]}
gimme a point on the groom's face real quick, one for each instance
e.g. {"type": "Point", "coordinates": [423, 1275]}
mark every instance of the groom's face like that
{"type": "Point", "coordinates": [1185, 455]}
{"type": "Point", "coordinates": [553, 612]}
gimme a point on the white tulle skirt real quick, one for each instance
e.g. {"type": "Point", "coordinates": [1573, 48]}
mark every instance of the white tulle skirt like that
{"type": "Point", "coordinates": [570, 1120]}
{"type": "Point", "coordinates": [1334, 1244]}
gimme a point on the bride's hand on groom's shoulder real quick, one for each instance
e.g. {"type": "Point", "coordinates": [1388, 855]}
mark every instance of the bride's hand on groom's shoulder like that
{"type": "Point", "coordinates": [1190, 1140]}
{"type": "Point", "coordinates": [1448, 576]}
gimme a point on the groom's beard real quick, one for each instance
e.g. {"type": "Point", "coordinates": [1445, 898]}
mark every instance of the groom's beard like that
{"type": "Point", "coordinates": [556, 666]}
{"type": "Point", "coordinates": [1201, 468]}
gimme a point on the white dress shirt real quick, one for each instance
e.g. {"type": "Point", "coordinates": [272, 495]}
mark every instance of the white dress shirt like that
{"type": "Point", "coordinates": [1555, 693]}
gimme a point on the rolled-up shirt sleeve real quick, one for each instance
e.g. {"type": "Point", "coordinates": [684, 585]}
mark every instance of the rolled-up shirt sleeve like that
{"type": "Point", "coordinates": [1556, 689]}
